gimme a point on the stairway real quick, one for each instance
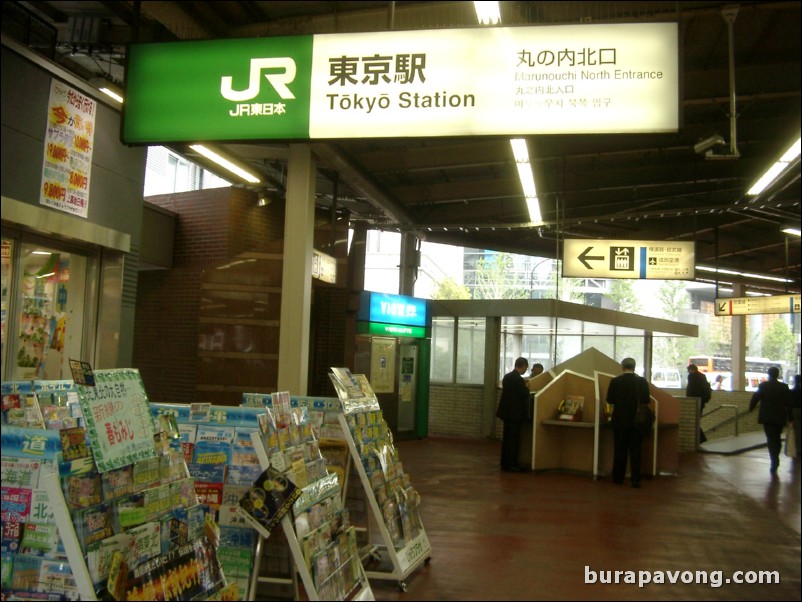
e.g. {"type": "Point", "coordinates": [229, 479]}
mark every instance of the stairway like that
{"type": "Point", "coordinates": [735, 445]}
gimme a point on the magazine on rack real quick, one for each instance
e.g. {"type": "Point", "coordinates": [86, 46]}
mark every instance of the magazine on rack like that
{"type": "Point", "coordinates": [268, 500]}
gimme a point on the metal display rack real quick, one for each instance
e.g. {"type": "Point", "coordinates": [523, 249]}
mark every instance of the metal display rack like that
{"type": "Point", "coordinates": [404, 545]}
{"type": "Point", "coordinates": [312, 494]}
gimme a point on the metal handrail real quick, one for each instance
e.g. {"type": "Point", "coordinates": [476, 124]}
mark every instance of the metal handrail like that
{"type": "Point", "coordinates": [721, 407]}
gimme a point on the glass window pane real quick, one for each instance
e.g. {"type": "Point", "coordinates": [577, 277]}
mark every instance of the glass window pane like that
{"type": "Point", "coordinates": [442, 350]}
{"type": "Point", "coordinates": [51, 313]}
{"type": "Point", "coordinates": [8, 253]}
{"type": "Point", "coordinates": [471, 351]}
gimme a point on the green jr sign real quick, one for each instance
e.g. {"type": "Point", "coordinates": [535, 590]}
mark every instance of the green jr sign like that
{"type": "Point", "coordinates": [243, 89]}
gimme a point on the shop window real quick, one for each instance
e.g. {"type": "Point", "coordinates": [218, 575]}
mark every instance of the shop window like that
{"type": "Point", "coordinates": [49, 301]}
{"type": "Point", "coordinates": [471, 351]}
{"type": "Point", "coordinates": [7, 274]}
{"type": "Point", "coordinates": [458, 351]}
{"type": "Point", "coordinates": [442, 350]}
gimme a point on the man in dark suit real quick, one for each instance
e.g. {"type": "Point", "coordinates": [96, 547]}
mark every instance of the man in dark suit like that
{"type": "Point", "coordinates": [625, 392]}
{"type": "Point", "coordinates": [698, 386]}
{"type": "Point", "coordinates": [774, 399]}
{"type": "Point", "coordinates": [512, 410]}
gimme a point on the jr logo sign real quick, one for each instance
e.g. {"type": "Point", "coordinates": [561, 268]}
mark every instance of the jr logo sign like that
{"type": "Point", "coordinates": [278, 79]}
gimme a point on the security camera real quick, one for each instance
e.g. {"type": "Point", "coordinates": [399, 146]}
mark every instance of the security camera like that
{"type": "Point", "coordinates": [707, 144]}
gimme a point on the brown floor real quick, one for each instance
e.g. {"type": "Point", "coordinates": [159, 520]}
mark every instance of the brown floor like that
{"type": "Point", "coordinates": [507, 536]}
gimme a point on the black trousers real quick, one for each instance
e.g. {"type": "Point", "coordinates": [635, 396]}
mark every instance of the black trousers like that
{"type": "Point", "coordinates": [774, 442]}
{"type": "Point", "coordinates": [510, 443]}
{"type": "Point", "coordinates": [627, 442]}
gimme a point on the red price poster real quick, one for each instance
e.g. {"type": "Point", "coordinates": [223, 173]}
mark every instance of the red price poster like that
{"type": "Point", "coordinates": [118, 418]}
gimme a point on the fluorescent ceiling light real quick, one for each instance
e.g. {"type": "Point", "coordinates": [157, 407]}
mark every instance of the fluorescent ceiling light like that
{"type": "Point", "coordinates": [704, 268]}
{"type": "Point", "coordinates": [488, 13]}
{"type": "Point", "coordinates": [521, 155]}
{"type": "Point", "coordinates": [527, 180]}
{"type": "Point", "coordinates": [794, 231]}
{"type": "Point", "coordinates": [534, 210]}
{"type": "Point", "coordinates": [112, 94]}
{"type": "Point", "coordinates": [225, 163]}
{"type": "Point", "coordinates": [519, 150]}
{"type": "Point", "coordinates": [773, 172]}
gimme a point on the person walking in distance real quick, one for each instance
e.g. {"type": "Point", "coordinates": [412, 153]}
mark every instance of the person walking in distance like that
{"type": "Point", "coordinates": [625, 392]}
{"type": "Point", "coordinates": [512, 410]}
{"type": "Point", "coordinates": [795, 415]}
{"type": "Point", "coordinates": [698, 387]}
{"type": "Point", "coordinates": [774, 399]}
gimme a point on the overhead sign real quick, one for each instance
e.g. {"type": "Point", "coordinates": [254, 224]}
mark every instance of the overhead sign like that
{"type": "Point", "coordinates": [778, 304]}
{"type": "Point", "coordinates": [606, 78]}
{"type": "Point", "coordinates": [393, 309]}
{"type": "Point", "coordinates": [636, 259]}
{"type": "Point", "coordinates": [391, 330]}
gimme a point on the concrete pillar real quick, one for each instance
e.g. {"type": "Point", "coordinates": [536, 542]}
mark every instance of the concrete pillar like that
{"type": "Point", "coordinates": [410, 262]}
{"type": "Point", "coordinates": [738, 327]}
{"type": "Point", "coordinates": [355, 279]}
{"type": "Point", "coordinates": [296, 282]}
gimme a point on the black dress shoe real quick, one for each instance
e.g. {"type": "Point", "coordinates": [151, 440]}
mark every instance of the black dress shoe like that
{"type": "Point", "coordinates": [636, 485]}
{"type": "Point", "coordinates": [512, 469]}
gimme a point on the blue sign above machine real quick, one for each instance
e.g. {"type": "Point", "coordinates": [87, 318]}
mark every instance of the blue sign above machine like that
{"type": "Point", "coordinates": [393, 309]}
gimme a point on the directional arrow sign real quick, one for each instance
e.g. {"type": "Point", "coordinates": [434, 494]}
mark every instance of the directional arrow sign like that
{"type": "Point", "coordinates": [777, 304]}
{"type": "Point", "coordinates": [584, 257]}
{"type": "Point", "coordinates": [636, 259]}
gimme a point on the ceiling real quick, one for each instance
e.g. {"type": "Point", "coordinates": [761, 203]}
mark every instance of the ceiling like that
{"type": "Point", "coordinates": [465, 191]}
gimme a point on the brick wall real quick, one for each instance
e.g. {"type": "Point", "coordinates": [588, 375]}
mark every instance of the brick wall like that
{"type": "Point", "coordinates": [688, 408]}
{"type": "Point", "coordinates": [168, 301]}
{"type": "Point", "coordinates": [721, 423]}
{"type": "Point", "coordinates": [455, 410]}
{"type": "Point", "coordinates": [208, 334]}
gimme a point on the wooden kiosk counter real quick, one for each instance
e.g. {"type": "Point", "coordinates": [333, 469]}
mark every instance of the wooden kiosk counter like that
{"type": "Point", "coordinates": [585, 445]}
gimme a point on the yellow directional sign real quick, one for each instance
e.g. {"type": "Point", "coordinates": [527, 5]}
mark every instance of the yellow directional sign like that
{"type": "Point", "coordinates": [637, 259]}
{"type": "Point", "coordinates": [739, 306]}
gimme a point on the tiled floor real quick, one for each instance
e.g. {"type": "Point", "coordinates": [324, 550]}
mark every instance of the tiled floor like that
{"type": "Point", "coordinates": [508, 536]}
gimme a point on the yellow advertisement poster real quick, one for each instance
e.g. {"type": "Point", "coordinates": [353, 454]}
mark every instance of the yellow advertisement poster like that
{"type": "Point", "coordinates": [382, 365]}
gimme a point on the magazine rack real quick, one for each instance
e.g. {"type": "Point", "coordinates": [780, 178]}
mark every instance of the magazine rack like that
{"type": "Point", "coordinates": [349, 571]}
{"type": "Point", "coordinates": [393, 502]}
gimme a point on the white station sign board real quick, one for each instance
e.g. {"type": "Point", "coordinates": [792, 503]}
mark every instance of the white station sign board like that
{"type": "Point", "coordinates": [635, 259]}
{"type": "Point", "coordinates": [739, 306]}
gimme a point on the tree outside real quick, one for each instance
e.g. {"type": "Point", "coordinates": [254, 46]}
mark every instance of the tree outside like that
{"type": "Point", "coordinates": [779, 342]}
{"type": "Point", "coordinates": [496, 279]}
{"type": "Point", "coordinates": [448, 288]}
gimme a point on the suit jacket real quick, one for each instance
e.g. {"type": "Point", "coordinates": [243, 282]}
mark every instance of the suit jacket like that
{"type": "Point", "coordinates": [774, 398]}
{"type": "Point", "coordinates": [698, 386]}
{"type": "Point", "coordinates": [514, 397]}
{"type": "Point", "coordinates": [625, 392]}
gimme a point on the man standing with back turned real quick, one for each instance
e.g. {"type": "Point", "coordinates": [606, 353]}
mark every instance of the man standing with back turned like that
{"type": "Point", "coordinates": [774, 398]}
{"type": "Point", "coordinates": [512, 410]}
{"type": "Point", "coordinates": [625, 392]}
{"type": "Point", "coordinates": [698, 386]}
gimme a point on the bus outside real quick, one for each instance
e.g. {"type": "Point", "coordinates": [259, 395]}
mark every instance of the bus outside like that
{"type": "Point", "coordinates": [755, 373]}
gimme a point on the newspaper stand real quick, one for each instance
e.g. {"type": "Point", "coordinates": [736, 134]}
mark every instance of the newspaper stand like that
{"type": "Point", "coordinates": [326, 487]}
{"type": "Point", "coordinates": [404, 545]}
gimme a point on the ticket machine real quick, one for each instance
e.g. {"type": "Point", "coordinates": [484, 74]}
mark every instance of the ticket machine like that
{"type": "Point", "coordinates": [393, 349]}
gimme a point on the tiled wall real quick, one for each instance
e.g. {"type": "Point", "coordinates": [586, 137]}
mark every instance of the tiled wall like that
{"type": "Point", "coordinates": [722, 422]}
{"type": "Point", "coordinates": [455, 410]}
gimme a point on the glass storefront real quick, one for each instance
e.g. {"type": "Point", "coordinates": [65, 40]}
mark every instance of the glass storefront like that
{"type": "Point", "coordinates": [43, 308]}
